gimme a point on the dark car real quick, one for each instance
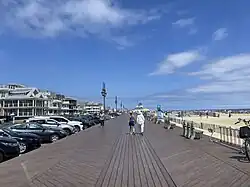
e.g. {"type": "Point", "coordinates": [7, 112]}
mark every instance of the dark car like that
{"type": "Point", "coordinates": [86, 121]}
{"type": "Point", "coordinates": [9, 148]}
{"type": "Point", "coordinates": [27, 141]}
{"type": "Point", "coordinates": [46, 134]}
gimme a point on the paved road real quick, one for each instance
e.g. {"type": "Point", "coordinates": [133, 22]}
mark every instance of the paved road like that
{"type": "Point", "coordinates": [110, 157]}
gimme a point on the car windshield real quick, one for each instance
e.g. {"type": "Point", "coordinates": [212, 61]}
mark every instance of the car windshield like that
{"type": "Point", "coordinates": [10, 132]}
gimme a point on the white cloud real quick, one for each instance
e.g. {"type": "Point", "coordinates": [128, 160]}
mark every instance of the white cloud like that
{"type": "Point", "coordinates": [184, 22]}
{"type": "Point", "coordinates": [229, 74]}
{"type": "Point", "coordinates": [47, 18]}
{"type": "Point", "coordinates": [177, 60]}
{"type": "Point", "coordinates": [193, 31]}
{"type": "Point", "coordinates": [220, 34]}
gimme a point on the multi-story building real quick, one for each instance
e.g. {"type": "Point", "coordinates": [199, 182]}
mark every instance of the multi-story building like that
{"type": "Point", "coordinates": [60, 105]}
{"type": "Point", "coordinates": [22, 101]}
{"type": "Point", "coordinates": [25, 102]}
{"type": "Point", "coordinates": [92, 108]}
{"type": "Point", "coordinates": [70, 106]}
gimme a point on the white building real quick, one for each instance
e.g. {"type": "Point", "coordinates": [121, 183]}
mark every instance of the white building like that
{"type": "Point", "coordinates": [60, 105]}
{"type": "Point", "coordinates": [26, 102]}
{"type": "Point", "coordinates": [22, 101]}
{"type": "Point", "coordinates": [140, 108]}
{"type": "Point", "coordinates": [92, 108]}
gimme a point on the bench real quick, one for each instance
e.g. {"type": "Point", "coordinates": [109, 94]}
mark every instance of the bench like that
{"type": "Point", "coordinates": [169, 125]}
{"type": "Point", "coordinates": [197, 134]}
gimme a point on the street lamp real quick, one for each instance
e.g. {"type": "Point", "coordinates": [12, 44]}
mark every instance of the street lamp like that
{"type": "Point", "coordinates": [121, 105]}
{"type": "Point", "coordinates": [116, 103]}
{"type": "Point", "coordinates": [104, 94]}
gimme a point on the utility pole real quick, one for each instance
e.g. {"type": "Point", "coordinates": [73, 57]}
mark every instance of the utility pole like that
{"type": "Point", "coordinates": [116, 103]}
{"type": "Point", "coordinates": [104, 94]}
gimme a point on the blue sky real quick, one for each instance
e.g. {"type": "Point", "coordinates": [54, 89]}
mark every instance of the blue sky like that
{"type": "Point", "coordinates": [180, 54]}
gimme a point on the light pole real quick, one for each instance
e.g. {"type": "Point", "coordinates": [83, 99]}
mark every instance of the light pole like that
{"type": "Point", "coordinates": [104, 94]}
{"type": "Point", "coordinates": [116, 103]}
{"type": "Point", "coordinates": [121, 105]}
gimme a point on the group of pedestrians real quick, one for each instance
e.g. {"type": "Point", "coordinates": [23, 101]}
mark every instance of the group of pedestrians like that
{"type": "Point", "coordinates": [140, 121]}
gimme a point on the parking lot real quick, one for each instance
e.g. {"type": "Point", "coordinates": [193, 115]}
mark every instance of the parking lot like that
{"type": "Point", "coordinates": [20, 138]}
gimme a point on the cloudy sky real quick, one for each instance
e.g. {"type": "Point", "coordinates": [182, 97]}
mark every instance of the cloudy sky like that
{"type": "Point", "coordinates": [177, 53]}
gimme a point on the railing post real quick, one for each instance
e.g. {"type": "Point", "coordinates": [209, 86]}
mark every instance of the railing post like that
{"type": "Point", "coordinates": [184, 128]}
{"type": "Point", "coordinates": [191, 135]}
{"type": "Point", "coordinates": [220, 133]}
{"type": "Point", "coordinates": [188, 130]}
{"type": "Point", "coordinates": [230, 133]}
{"type": "Point", "coordinates": [224, 132]}
{"type": "Point", "coordinates": [235, 136]}
{"type": "Point", "coordinates": [201, 125]}
{"type": "Point", "coordinates": [227, 135]}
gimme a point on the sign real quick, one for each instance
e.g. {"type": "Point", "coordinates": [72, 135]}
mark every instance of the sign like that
{"type": "Point", "coordinates": [158, 107]}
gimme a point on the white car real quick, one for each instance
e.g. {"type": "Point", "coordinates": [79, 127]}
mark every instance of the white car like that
{"type": "Point", "coordinates": [62, 120]}
{"type": "Point", "coordinates": [47, 122]}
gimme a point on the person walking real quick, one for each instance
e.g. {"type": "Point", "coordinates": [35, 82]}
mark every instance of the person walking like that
{"type": "Point", "coordinates": [102, 118]}
{"type": "Point", "coordinates": [141, 122]}
{"type": "Point", "coordinates": [131, 124]}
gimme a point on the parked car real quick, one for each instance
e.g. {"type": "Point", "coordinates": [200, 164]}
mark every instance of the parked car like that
{"type": "Point", "coordinates": [9, 148]}
{"type": "Point", "coordinates": [27, 141]}
{"type": "Point", "coordinates": [46, 134]}
{"type": "Point", "coordinates": [51, 123]}
{"type": "Point", "coordinates": [94, 118]}
{"type": "Point", "coordinates": [86, 121]}
{"type": "Point", "coordinates": [77, 124]}
{"type": "Point", "coordinates": [108, 117]}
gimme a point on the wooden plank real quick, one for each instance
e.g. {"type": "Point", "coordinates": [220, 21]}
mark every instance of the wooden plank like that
{"type": "Point", "coordinates": [119, 173]}
{"type": "Point", "coordinates": [164, 171]}
{"type": "Point", "coordinates": [145, 163]}
{"type": "Point", "coordinates": [125, 170]}
{"type": "Point", "coordinates": [159, 178]}
{"type": "Point", "coordinates": [137, 175]}
{"type": "Point", "coordinates": [142, 173]}
{"type": "Point", "coordinates": [104, 178]}
{"type": "Point", "coordinates": [131, 173]}
{"type": "Point", "coordinates": [113, 176]}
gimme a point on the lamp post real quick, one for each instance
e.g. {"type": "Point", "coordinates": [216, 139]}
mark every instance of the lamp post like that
{"type": "Point", "coordinates": [121, 105]}
{"type": "Point", "coordinates": [116, 103]}
{"type": "Point", "coordinates": [104, 94]}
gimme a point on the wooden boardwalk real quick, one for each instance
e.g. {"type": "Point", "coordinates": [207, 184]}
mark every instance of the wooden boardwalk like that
{"type": "Point", "coordinates": [134, 163]}
{"type": "Point", "coordinates": [110, 157]}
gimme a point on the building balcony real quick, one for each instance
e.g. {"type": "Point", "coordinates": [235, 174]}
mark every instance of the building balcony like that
{"type": "Point", "coordinates": [53, 107]}
{"type": "Point", "coordinates": [65, 108]}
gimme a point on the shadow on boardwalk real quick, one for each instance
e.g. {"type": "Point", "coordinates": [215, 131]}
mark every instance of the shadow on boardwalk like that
{"type": "Point", "coordinates": [110, 157]}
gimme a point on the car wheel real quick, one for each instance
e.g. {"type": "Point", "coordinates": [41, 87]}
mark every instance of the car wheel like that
{"type": "Point", "coordinates": [68, 132]}
{"type": "Point", "coordinates": [1, 157]}
{"type": "Point", "coordinates": [22, 147]}
{"type": "Point", "coordinates": [54, 138]}
{"type": "Point", "coordinates": [77, 129]}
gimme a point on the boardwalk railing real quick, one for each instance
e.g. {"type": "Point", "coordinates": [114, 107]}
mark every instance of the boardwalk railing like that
{"type": "Point", "coordinates": [224, 134]}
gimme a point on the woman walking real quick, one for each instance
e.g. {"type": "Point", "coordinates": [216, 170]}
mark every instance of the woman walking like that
{"type": "Point", "coordinates": [141, 122]}
{"type": "Point", "coordinates": [131, 124]}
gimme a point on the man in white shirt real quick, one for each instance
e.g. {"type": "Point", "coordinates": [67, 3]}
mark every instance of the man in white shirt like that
{"type": "Point", "coordinates": [141, 122]}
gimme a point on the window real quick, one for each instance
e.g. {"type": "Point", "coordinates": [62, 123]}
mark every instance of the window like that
{"type": "Point", "coordinates": [34, 126]}
{"type": "Point", "coordinates": [40, 121]}
{"type": "Point", "coordinates": [60, 119]}
{"type": "Point", "coordinates": [52, 122]}
{"type": "Point", "coordinates": [20, 126]}
{"type": "Point", "coordinates": [3, 134]}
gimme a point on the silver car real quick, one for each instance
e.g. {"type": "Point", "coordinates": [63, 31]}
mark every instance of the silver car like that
{"type": "Point", "coordinates": [51, 123]}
